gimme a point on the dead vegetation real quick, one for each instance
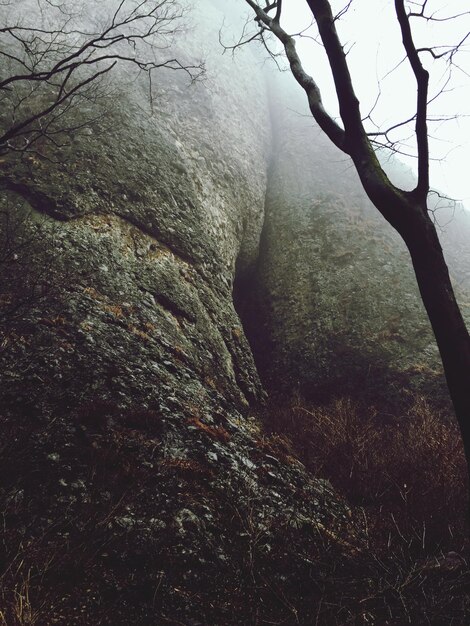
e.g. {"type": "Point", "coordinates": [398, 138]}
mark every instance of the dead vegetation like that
{"type": "Point", "coordinates": [405, 478]}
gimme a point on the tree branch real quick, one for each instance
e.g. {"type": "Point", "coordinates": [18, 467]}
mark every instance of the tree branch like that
{"type": "Point", "coordinates": [323, 119]}
{"type": "Point", "coordinates": [65, 59]}
{"type": "Point", "coordinates": [422, 82]}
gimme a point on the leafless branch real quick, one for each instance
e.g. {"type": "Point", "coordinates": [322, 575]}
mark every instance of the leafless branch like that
{"type": "Point", "coordinates": [422, 82]}
{"type": "Point", "coordinates": [343, 11]}
{"type": "Point", "coordinates": [45, 67]}
{"type": "Point", "coordinates": [377, 136]}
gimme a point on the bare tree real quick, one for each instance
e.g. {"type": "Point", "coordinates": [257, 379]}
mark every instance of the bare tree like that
{"type": "Point", "coordinates": [406, 211]}
{"type": "Point", "coordinates": [54, 55]}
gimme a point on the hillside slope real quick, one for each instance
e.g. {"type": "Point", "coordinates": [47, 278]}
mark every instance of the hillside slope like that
{"type": "Point", "coordinates": [138, 485]}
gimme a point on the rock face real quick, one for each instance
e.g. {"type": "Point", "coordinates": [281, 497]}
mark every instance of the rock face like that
{"type": "Point", "coordinates": [136, 487]}
{"type": "Point", "coordinates": [332, 305]}
{"type": "Point", "coordinates": [157, 209]}
{"type": "Point", "coordinates": [132, 477]}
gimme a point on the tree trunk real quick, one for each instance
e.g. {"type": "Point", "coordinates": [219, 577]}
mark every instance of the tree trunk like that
{"type": "Point", "coordinates": [408, 214]}
{"type": "Point", "coordinates": [449, 328]}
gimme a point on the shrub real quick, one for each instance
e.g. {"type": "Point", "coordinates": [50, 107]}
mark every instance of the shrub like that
{"type": "Point", "coordinates": [406, 471]}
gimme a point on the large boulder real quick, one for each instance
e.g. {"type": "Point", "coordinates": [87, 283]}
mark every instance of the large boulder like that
{"type": "Point", "coordinates": [135, 486]}
{"type": "Point", "coordinates": [332, 304]}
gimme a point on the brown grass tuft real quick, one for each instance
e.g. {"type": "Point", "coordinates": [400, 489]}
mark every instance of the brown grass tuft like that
{"type": "Point", "coordinates": [411, 466]}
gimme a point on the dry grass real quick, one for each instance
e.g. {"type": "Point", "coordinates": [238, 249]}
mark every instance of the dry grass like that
{"type": "Point", "coordinates": [411, 466]}
{"type": "Point", "coordinates": [405, 477]}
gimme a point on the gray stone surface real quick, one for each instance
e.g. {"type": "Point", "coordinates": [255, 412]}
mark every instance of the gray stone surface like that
{"type": "Point", "coordinates": [332, 304]}
{"type": "Point", "coordinates": [135, 486]}
{"type": "Point", "coordinates": [158, 207]}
